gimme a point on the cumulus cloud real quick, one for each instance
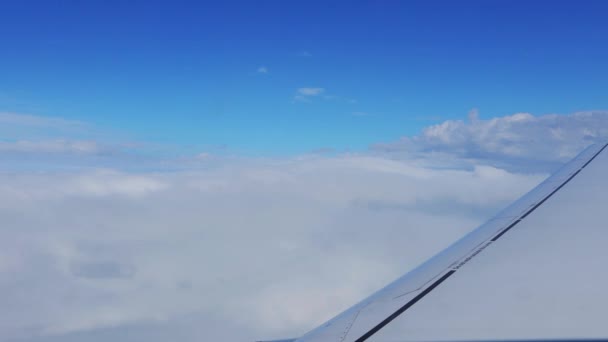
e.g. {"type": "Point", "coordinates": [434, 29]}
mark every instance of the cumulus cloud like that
{"type": "Point", "coordinates": [509, 141]}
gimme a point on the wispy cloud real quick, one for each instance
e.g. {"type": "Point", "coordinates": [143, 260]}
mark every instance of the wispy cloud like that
{"type": "Point", "coordinates": [262, 70]}
{"type": "Point", "coordinates": [310, 91]}
{"type": "Point", "coordinates": [304, 94]}
{"type": "Point", "coordinates": [16, 119]}
{"type": "Point", "coordinates": [23, 131]}
{"type": "Point", "coordinates": [53, 141]}
{"type": "Point", "coordinates": [51, 146]}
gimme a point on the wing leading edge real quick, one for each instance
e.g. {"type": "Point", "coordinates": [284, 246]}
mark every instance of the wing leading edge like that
{"type": "Point", "coordinates": [447, 298]}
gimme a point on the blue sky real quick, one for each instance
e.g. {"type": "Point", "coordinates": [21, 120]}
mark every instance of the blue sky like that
{"type": "Point", "coordinates": [156, 179]}
{"type": "Point", "coordinates": [191, 74]}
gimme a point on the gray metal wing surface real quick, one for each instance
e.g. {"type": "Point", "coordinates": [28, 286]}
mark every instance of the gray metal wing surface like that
{"type": "Point", "coordinates": [537, 270]}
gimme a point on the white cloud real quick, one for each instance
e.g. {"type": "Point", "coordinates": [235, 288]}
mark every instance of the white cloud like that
{"type": "Point", "coordinates": [310, 91]}
{"type": "Point", "coordinates": [517, 139]}
{"type": "Point", "coordinates": [44, 137]}
{"type": "Point", "coordinates": [262, 70]}
{"type": "Point", "coordinates": [305, 94]}
{"type": "Point", "coordinates": [107, 183]}
{"type": "Point", "coordinates": [267, 247]}
{"type": "Point", "coordinates": [245, 249]}
{"type": "Point", "coordinates": [83, 184]}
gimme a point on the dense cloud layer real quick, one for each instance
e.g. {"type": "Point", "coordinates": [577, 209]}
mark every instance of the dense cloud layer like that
{"type": "Point", "coordinates": [267, 248]}
{"type": "Point", "coordinates": [243, 249]}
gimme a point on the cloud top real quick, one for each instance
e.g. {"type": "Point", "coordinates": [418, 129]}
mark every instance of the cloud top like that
{"type": "Point", "coordinates": [518, 138]}
{"type": "Point", "coordinates": [269, 248]}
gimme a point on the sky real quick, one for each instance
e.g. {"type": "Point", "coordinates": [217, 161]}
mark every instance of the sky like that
{"type": "Point", "coordinates": [239, 171]}
{"type": "Point", "coordinates": [273, 77]}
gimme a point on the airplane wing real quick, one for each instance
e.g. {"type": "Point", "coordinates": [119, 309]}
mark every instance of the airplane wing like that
{"type": "Point", "coordinates": [537, 270]}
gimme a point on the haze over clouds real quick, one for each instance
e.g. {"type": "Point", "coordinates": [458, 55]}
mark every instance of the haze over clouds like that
{"type": "Point", "coordinates": [234, 248]}
{"type": "Point", "coordinates": [50, 146]}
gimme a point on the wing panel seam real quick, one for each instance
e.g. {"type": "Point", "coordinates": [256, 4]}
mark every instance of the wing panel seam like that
{"type": "Point", "coordinates": [431, 287]}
